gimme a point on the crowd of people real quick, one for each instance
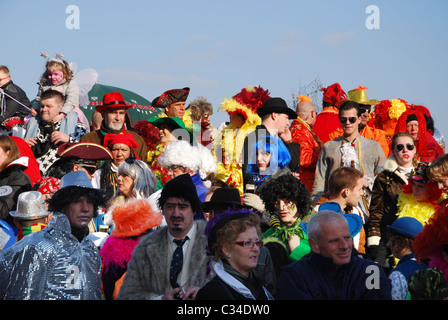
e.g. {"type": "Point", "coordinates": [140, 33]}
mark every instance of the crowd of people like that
{"type": "Point", "coordinates": [348, 203]}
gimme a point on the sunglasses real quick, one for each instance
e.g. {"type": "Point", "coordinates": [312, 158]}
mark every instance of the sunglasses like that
{"type": "Point", "coordinates": [90, 169]}
{"type": "Point", "coordinates": [400, 147]}
{"type": "Point", "coordinates": [364, 110]}
{"type": "Point", "coordinates": [351, 119]}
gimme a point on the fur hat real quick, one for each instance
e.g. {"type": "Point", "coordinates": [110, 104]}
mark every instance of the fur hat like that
{"type": "Point", "coordinates": [133, 218]}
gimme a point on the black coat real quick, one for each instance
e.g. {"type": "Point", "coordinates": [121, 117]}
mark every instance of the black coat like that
{"type": "Point", "coordinates": [12, 107]}
{"type": "Point", "coordinates": [13, 181]}
{"type": "Point", "coordinates": [217, 289]}
{"type": "Point", "coordinates": [259, 132]}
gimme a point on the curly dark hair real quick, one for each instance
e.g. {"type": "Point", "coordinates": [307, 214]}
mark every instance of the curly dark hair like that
{"type": "Point", "coordinates": [67, 195]}
{"type": "Point", "coordinates": [288, 188]}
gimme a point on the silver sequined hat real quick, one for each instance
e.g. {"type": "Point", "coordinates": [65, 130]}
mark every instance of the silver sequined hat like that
{"type": "Point", "coordinates": [30, 206]}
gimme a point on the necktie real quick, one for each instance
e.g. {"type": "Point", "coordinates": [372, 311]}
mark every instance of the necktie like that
{"type": "Point", "coordinates": [176, 262]}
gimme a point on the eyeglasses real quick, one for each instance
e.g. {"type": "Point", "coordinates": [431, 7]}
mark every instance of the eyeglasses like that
{"type": "Point", "coordinates": [351, 119]}
{"type": "Point", "coordinates": [400, 147]}
{"type": "Point", "coordinates": [250, 244]}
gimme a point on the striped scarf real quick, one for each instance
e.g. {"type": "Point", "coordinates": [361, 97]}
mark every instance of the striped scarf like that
{"type": "Point", "coordinates": [27, 230]}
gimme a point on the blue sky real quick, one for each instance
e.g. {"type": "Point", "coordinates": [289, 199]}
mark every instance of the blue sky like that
{"type": "Point", "coordinates": [219, 47]}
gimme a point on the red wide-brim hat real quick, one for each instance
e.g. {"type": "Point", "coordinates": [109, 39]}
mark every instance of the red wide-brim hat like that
{"type": "Point", "coordinates": [113, 100]}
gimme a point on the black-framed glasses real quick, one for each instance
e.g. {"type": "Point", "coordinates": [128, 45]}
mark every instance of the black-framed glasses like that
{"type": "Point", "coordinates": [400, 147]}
{"type": "Point", "coordinates": [249, 243]}
{"type": "Point", "coordinates": [351, 119]}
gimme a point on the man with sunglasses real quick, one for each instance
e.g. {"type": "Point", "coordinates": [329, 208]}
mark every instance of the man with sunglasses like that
{"type": "Point", "coordinates": [359, 96]}
{"type": "Point", "coordinates": [351, 150]}
{"type": "Point", "coordinates": [170, 263]}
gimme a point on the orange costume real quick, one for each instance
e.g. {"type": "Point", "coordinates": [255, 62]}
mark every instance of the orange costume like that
{"type": "Point", "coordinates": [310, 146]}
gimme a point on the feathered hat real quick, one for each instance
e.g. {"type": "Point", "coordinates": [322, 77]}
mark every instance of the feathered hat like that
{"type": "Point", "coordinates": [133, 218]}
{"type": "Point", "coordinates": [246, 102]}
{"type": "Point", "coordinates": [333, 94]}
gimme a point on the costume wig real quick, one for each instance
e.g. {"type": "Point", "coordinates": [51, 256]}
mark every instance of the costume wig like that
{"type": "Point", "coordinates": [287, 188]}
{"type": "Point", "coordinates": [144, 179]}
{"type": "Point", "coordinates": [65, 196]}
{"type": "Point", "coordinates": [280, 156]}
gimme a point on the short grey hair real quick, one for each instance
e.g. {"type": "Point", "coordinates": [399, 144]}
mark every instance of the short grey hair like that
{"type": "Point", "coordinates": [324, 216]}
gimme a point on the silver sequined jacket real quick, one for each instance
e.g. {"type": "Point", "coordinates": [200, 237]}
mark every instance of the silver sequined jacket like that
{"type": "Point", "coordinates": [51, 265]}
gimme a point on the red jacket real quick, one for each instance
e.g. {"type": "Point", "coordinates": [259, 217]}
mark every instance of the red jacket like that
{"type": "Point", "coordinates": [310, 146]}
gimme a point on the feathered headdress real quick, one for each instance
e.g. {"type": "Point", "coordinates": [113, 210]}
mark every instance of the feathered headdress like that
{"type": "Point", "coordinates": [333, 94]}
{"type": "Point", "coordinates": [247, 102]}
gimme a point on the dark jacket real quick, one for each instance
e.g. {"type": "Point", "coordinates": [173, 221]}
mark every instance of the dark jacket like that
{"type": "Point", "coordinates": [260, 132]}
{"type": "Point", "coordinates": [383, 204]}
{"type": "Point", "coordinates": [315, 277]}
{"type": "Point", "coordinates": [13, 181]}
{"type": "Point", "coordinates": [12, 107]}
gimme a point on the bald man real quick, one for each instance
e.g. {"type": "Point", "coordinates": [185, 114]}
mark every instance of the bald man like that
{"type": "Point", "coordinates": [310, 144]}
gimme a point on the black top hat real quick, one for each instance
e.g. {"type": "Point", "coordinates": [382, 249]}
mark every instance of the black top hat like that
{"type": "Point", "coordinates": [229, 197]}
{"type": "Point", "coordinates": [277, 105]}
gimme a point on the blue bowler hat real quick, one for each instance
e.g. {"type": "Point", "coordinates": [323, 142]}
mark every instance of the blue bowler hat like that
{"type": "Point", "coordinates": [406, 226]}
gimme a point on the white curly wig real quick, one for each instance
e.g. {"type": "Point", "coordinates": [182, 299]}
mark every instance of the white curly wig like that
{"type": "Point", "coordinates": [180, 153]}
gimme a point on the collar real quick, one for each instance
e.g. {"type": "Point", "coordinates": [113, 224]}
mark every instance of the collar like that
{"type": "Point", "coordinates": [191, 233]}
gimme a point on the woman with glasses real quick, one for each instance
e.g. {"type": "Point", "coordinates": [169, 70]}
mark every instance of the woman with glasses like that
{"type": "Point", "coordinates": [383, 205]}
{"type": "Point", "coordinates": [234, 240]}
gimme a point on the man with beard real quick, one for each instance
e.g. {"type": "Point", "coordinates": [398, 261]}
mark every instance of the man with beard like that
{"type": "Point", "coordinates": [113, 110]}
{"type": "Point", "coordinates": [170, 263]}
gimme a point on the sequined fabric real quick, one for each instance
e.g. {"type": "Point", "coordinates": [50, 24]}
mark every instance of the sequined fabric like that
{"type": "Point", "coordinates": [51, 265]}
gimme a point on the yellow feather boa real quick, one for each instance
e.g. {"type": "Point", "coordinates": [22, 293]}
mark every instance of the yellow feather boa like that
{"type": "Point", "coordinates": [408, 206]}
